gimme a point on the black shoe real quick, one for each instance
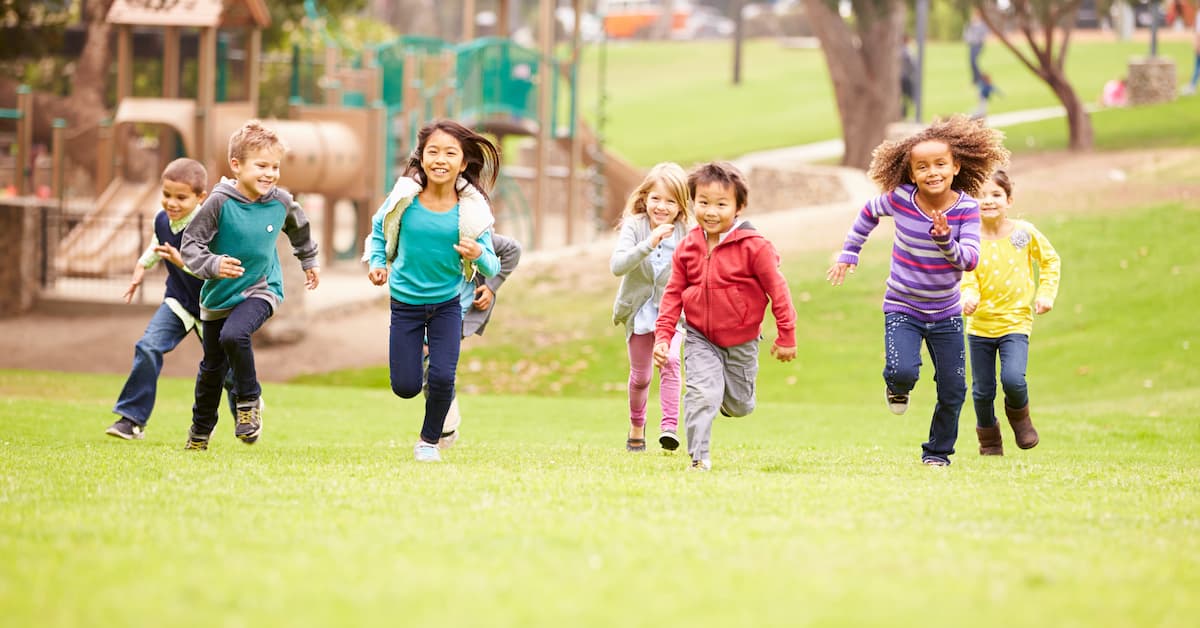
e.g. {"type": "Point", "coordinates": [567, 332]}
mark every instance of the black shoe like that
{"type": "Point", "coordinates": [249, 421]}
{"type": "Point", "coordinates": [669, 440]}
{"type": "Point", "coordinates": [196, 441]}
{"type": "Point", "coordinates": [125, 428]}
{"type": "Point", "coordinates": [897, 403]}
{"type": "Point", "coordinates": [725, 412]}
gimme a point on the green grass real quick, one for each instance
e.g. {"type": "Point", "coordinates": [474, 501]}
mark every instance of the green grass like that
{"type": "Point", "coordinates": [817, 512]}
{"type": "Point", "coordinates": [1164, 125]}
{"type": "Point", "coordinates": [675, 101]}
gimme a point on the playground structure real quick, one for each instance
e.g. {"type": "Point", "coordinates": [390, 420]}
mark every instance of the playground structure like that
{"type": "Point", "coordinates": [351, 146]}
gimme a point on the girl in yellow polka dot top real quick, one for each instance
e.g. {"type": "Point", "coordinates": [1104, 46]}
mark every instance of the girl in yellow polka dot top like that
{"type": "Point", "coordinates": [1017, 276]}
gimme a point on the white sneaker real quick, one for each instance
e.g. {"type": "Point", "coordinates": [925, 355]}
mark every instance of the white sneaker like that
{"type": "Point", "coordinates": [702, 465]}
{"type": "Point", "coordinates": [426, 452]}
{"type": "Point", "coordinates": [898, 404]}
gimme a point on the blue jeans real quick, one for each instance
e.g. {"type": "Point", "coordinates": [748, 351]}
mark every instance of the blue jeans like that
{"type": "Point", "coordinates": [227, 345]}
{"type": "Point", "coordinates": [412, 325]}
{"type": "Point", "coordinates": [163, 333]}
{"type": "Point", "coordinates": [902, 367]}
{"type": "Point", "coordinates": [1013, 350]}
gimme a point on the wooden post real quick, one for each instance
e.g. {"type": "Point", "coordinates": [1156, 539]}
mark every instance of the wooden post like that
{"type": "Point", "coordinates": [409, 98]}
{"type": "Point", "coordinates": [124, 62]}
{"type": "Point", "coordinates": [541, 197]}
{"type": "Point", "coordinates": [331, 86]}
{"type": "Point", "coordinates": [253, 68]}
{"type": "Point", "coordinates": [575, 149]}
{"type": "Point", "coordinates": [468, 26]}
{"type": "Point", "coordinates": [206, 89]}
{"type": "Point", "coordinates": [166, 144]}
{"type": "Point", "coordinates": [23, 168]}
{"type": "Point", "coordinates": [57, 148]}
{"type": "Point", "coordinates": [502, 29]}
{"type": "Point", "coordinates": [104, 155]}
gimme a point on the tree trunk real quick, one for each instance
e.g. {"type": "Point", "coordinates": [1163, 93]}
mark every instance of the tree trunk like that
{"type": "Point", "coordinates": [864, 68]}
{"type": "Point", "coordinates": [1079, 122]}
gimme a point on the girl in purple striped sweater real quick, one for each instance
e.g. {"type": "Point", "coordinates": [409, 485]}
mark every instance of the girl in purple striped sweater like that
{"type": "Point", "coordinates": [928, 179]}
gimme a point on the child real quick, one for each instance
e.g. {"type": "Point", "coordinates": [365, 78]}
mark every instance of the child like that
{"type": "Point", "coordinates": [656, 219]}
{"type": "Point", "coordinates": [231, 245]}
{"type": "Point", "coordinates": [477, 298]}
{"type": "Point", "coordinates": [431, 232]}
{"type": "Point", "coordinates": [184, 183]}
{"type": "Point", "coordinates": [987, 89]}
{"type": "Point", "coordinates": [722, 275]}
{"type": "Point", "coordinates": [928, 179]}
{"type": "Point", "coordinates": [997, 297]}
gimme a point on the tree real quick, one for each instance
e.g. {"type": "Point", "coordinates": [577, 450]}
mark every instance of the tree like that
{"type": "Point", "coordinates": [864, 66]}
{"type": "Point", "coordinates": [1041, 22]}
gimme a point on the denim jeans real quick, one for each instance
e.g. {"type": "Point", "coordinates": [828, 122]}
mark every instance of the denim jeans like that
{"type": "Point", "coordinates": [227, 345]}
{"type": "Point", "coordinates": [902, 345]}
{"type": "Point", "coordinates": [412, 325]}
{"type": "Point", "coordinates": [163, 333]}
{"type": "Point", "coordinates": [1013, 350]}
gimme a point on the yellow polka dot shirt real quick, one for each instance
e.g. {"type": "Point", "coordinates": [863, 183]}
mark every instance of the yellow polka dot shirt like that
{"type": "Point", "coordinates": [1012, 272]}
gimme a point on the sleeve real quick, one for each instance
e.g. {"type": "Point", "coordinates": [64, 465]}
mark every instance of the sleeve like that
{"type": "Point", "coordinates": [299, 233]}
{"type": "Point", "coordinates": [970, 286]}
{"type": "Point", "coordinates": [488, 264]}
{"type": "Point", "coordinates": [766, 267]}
{"type": "Point", "coordinates": [509, 252]}
{"type": "Point", "coordinates": [864, 224]}
{"type": "Point", "coordinates": [375, 252]}
{"type": "Point", "coordinates": [1048, 264]}
{"type": "Point", "coordinates": [150, 257]}
{"type": "Point", "coordinates": [671, 306]}
{"type": "Point", "coordinates": [629, 252]}
{"type": "Point", "coordinates": [199, 234]}
{"type": "Point", "coordinates": [962, 252]}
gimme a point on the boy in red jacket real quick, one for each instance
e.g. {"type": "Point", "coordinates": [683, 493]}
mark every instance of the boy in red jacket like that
{"type": "Point", "coordinates": [723, 272]}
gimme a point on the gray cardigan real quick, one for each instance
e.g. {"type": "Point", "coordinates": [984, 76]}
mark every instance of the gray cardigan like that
{"type": "Point", "coordinates": [631, 261]}
{"type": "Point", "coordinates": [509, 252]}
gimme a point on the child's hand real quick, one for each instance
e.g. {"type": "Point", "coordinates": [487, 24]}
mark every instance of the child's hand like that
{"type": "Point", "coordinates": [1041, 306]}
{"type": "Point", "coordinates": [483, 298]}
{"type": "Point", "coordinates": [660, 232]}
{"type": "Point", "coordinates": [660, 353]}
{"type": "Point", "coordinates": [941, 228]}
{"type": "Point", "coordinates": [837, 272]}
{"type": "Point", "coordinates": [468, 249]}
{"type": "Point", "coordinates": [969, 306]}
{"type": "Point", "coordinates": [131, 290]}
{"type": "Point", "coordinates": [783, 354]}
{"type": "Point", "coordinates": [230, 268]}
{"type": "Point", "coordinates": [170, 253]}
{"type": "Point", "coordinates": [378, 276]}
{"type": "Point", "coordinates": [312, 277]}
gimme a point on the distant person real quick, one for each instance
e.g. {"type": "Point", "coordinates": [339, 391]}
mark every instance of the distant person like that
{"type": "Point", "coordinates": [231, 244]}
{"type": "Point", "coordinates": [1191, 87]}
{"type": "Point", "coordinates": [986, 89]}
{"type": "Point", "coordinates": [1017, 277]}
{"type": "Point", "coordinates": [432, 233]}
{"type": "Point", "coordinates": [723, 274]}
{"type": "Point", "coordinates": [927, 179]}
{"type": "Point", "coordinates": [1114, 94]}
{"type": "Point", "coordinates": [184, 187]}
{"type": "Point", "coordinates": [975, 34]}
{"type": "Point", "coordinates": [908, 76]}
{"type": "Point", "coordinates": [656, 219]}
{"type": "Point", "coordinates": [478, 298]}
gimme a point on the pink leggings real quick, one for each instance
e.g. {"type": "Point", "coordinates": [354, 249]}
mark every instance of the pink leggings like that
{"type": "Point", "coordinates": [641, 369]}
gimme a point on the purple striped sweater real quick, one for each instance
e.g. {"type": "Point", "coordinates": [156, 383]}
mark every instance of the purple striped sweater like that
{"type": "Point", "coordinates": [925, 270]}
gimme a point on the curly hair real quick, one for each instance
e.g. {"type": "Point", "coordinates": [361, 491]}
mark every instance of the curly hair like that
{"type": "Point", "coordinates": [481, 157]}
{"type": "Point", "coordinates": [977, 149]}
{"type": "Point", "coordinates": [674, 179]}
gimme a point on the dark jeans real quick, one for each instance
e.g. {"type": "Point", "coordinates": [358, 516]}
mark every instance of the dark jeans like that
{"type": "Point", "coordinates": [902, 367]}
{"type": "Point", "coordinates": [974, 51]}
{"type": "Point", "coordinates": [412, 325]}
{"type": "Point", "coordinates": [1013, 350]}
{"type": "Point", "coordinates": [227, 346]}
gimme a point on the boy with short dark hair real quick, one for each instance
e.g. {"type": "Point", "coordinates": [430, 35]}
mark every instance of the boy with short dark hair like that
{"type": "Point", "coordinates": [231, 245]}
{"type": "Point", "coordinates": [724, 271]}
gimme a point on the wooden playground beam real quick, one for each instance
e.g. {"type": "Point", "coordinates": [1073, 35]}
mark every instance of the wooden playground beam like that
{"type": "Point", "coordinates": [546, 78]}
{"type": "Point", "coordinates": [468, 26]}
{"type": "Point", "coordinates": [575, 149]}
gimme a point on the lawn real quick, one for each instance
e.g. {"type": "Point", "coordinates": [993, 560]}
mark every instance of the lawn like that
{"type": "Point", "coordinates": [674, 100]}
{"type": "Point", "coordinates": [817, 512]}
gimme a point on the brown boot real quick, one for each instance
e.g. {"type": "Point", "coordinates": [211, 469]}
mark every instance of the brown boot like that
{"type": "Point", "coordinates": [990, 443]}
{"type": "Point", "coordinates": [1022, 425]}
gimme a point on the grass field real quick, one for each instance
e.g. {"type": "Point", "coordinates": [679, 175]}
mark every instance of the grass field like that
{"type": "Point", "coordinates": [659, 94]}
{"type": "Point", "coordinates": [817, 512]}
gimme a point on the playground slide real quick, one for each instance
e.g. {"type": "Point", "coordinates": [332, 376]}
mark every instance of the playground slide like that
{"type": "Point", "coordinates": [620, 176]}
{"type": "Point", "coordinates": [107, 241]}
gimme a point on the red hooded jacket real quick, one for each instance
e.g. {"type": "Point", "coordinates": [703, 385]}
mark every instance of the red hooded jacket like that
{"type": "Point", "coordinates": [723, 293]}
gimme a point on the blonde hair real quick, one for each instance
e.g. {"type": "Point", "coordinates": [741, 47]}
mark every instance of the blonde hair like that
{"type": "Point", "coordinates": [674, 179]}
{"type": "Point", "coordinates": [977, 149]}
{"type": "Point", "coordinates": [253, 137]}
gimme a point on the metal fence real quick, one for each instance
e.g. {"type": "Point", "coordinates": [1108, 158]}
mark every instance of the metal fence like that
{"type": "Point", "coordinates": [91, 257]}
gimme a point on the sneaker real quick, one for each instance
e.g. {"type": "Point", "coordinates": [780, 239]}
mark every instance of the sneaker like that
{"type": "Point", "coordinates": [932, 461]}
{"type": "Point", "coordinates": [725, 412]}
{"type": "Point", "coordinates": [125, 428]}
{"type": "Point", "coordinates": [196, 441]}
{"type": "Point", "coordinates": [897, 403]}
{"type": "Point", "coordinates": [249, 421]}
{"type": "Point", "coordinates": [448, 439]}
{"type": "Point", "coordinates": [426, 452]}
{"type": "Point", "coordinates": [669, 440]}
{"type": "Point", "coordinates": [702, 465]}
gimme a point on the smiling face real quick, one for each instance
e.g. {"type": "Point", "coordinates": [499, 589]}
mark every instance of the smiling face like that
{"type": "Point", "coordinates": [179, 199]}
{"type": "Point", "coordinates": [994, 202]}
{"type": "Point", "coordinates": [258, 172]}
{"type": "Point", "coordinates": [716, 208]}
{"type": "Point", "coordinates": [932, 167]}
{"type": "Point", "coordinates": [661, 206]}
{"type": "Point", "coordinates": [442, 158]}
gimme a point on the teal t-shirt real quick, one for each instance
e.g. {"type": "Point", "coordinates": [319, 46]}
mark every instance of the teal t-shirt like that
{"type": "Point", "coordinates": [427, 269]}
